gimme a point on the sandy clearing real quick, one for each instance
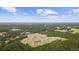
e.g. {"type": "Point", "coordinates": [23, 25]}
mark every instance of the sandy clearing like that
{"type": "Point", "coordinates": [15, 29]}
{"type": "Point", "coordinates": [61, 30]}
{"type": "Point", "coordinates": [74, 30]}
{"type": "Point", "coordinates": [36, 39]}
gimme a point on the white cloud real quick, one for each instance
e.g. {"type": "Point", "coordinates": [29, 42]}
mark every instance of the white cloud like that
{"type": "Point", "coordinates": [10, 9]}
{"type": "Point", "coordinates": [45, 12]}
{"type": "Point", "coordinates": [50, 11]}
{"type": "Point", "coordinates": [39, 11]}
{"type": "Point", "coordinates": [50, 17]}
{"type": "Point", "coordinates": [75, 10]}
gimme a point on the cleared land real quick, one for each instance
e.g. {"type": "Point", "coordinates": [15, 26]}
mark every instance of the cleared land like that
{"type": "Point", "coordinates": [37, 39]}
{"type": "Point", "coordinates": [73, 30]}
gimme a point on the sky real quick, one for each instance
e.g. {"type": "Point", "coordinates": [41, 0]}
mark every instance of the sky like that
{"type": "Point", "coordinates": [39, 14]}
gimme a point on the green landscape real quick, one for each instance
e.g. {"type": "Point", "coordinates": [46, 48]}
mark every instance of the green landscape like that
{"type": "Point", "coordinates": [56, 37]}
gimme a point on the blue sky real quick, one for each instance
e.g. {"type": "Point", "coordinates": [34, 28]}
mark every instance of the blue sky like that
{"type": "Point", "coordinates": [39, 14]}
